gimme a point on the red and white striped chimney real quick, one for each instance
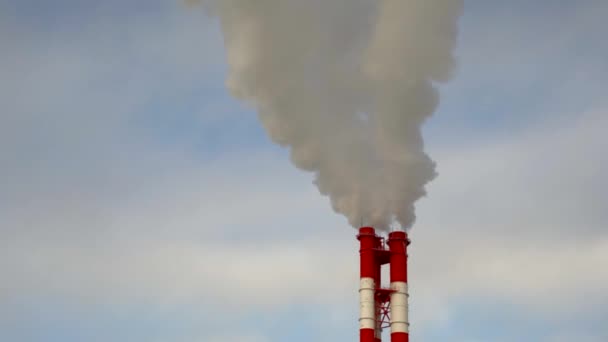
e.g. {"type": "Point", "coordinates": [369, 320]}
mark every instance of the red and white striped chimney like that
{"type": "Point", "coordinates": [398, 242]}
{"type": "Point", "coordinates": [367, 288]}
{"type": "Point", "coordinates": [378, 282]}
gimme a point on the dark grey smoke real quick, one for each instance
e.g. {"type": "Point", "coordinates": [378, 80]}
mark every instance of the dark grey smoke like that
{"type": "Point", "coordinates": [346, 85]}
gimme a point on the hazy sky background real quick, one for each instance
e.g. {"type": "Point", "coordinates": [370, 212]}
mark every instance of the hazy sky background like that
{"type": "Point", "coordinates": [140, 203]}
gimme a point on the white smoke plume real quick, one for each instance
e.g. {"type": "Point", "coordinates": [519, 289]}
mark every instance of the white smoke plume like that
{"type": "Point", "coordinates": [346, 85]}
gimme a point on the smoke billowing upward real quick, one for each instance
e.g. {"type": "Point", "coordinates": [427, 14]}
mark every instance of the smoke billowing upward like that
{"type": "Point", "coordinates": [346, 85]}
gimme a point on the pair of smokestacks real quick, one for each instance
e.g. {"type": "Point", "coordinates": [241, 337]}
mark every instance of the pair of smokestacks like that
{"type": "Point", "coordinates": [383, 307]}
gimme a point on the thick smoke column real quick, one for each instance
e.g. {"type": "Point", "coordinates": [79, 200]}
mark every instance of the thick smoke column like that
{"type": "Point", "coordinates": [346, 84]}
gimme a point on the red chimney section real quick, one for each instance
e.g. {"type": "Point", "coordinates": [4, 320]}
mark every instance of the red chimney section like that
{"type": "Point", "coordinates": [398, 242]}
{"type": "Point", "coordinates": [367, 288]}
{"type": "Point", "coordinates": [383, 307]}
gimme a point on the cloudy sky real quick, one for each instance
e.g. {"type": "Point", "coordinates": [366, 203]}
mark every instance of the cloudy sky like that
{"type": "Point", "coordinates": [139, 202]}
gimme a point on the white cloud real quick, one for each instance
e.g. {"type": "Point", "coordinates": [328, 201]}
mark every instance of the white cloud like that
{"type": "Point", "coordinates": [202, 236]}
{"type": "Point", "coordinates": [235, 338]}
{"type": "Point", "coordinates": [517, 221]}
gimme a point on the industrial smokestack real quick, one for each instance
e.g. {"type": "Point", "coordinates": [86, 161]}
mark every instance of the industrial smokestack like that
{"type": "Point", "coordinates": [346, 85]}
{"type": "Point", "coordinates": [398, 242]}
{"type": "Point", "coordinates": [379, 244]}
{"type": "Point", "coordinates": [383, 307]}
{"type": "Point", "coordinates": [367, 288]}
